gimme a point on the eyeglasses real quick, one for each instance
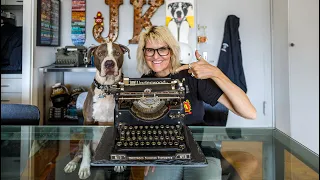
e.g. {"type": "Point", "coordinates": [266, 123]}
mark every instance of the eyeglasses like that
{"type": "Point", "coordinates": [163, 51]}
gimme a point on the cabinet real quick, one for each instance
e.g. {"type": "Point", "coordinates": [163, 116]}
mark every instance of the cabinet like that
{"type": "Point", "coordinates": [46, 93]}
{"type": "Point", "coordinates": [11, 90]}
{"type": "Point", "coordinates": [12, 2]}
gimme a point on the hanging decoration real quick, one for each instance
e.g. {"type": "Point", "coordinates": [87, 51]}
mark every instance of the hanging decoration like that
{"type": "Point", "coordinates": [78, 22]}
{"type": "Point", "coordinates": [98, 28]}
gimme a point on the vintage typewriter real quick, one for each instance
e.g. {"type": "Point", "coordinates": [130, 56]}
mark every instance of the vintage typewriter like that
{"type": "Point", "coordinates": [71, 56]}
{"type": "Point", "coordinates": [149, 117]}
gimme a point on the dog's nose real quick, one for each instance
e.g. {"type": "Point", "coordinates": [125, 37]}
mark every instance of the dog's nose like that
{"type": "Point", "coordinates": [109, 64]}
{"type": "Point", "coordinates": [179, 13]}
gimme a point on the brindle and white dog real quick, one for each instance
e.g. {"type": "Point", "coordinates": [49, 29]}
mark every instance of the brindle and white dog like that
{"type": "Point", "coordinates": [98, 108]}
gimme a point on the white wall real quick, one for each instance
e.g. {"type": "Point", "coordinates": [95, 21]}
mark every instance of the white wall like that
{"type": "Point", "coordinates": [255, 37]}
{"type": "Point", "coordinates": [304, 72]}
{"type": "Point", "coordinates": [254, 31]}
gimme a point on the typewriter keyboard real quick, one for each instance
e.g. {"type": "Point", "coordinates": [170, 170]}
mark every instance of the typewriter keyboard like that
{"type": "Point", "coordinates": [150, 138]}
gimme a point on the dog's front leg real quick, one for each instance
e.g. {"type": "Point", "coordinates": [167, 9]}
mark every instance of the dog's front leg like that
{"type": "Point", "coordinates": [84, 171]}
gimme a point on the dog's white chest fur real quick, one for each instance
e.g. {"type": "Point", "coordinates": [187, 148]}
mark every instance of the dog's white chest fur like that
{"type": "Point", "coordinates": [103, 108]}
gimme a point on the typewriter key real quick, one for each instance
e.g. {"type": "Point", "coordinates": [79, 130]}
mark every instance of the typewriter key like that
{"type": "Point", "coordinates": [140, 127]}
{"type": "Point", "coordinates": [157, 127]}
{"type": "Point", "coordinates": [156, 138]}
{"type": "Point", "coordinates": [178, 137]}
{"type": "Point", "coordinates": [167, 137]}
{"type": "Point", "coordinates": [150, 138]}
{"type": "Point", "coordinates": [164, 143]}
{"type": "Point", "coordinates": [146, 127]}
{"type": "Point", "coordinates": [133, 138]}
{"type": "Point", "coordinates": [170, 132]}
{"type": "Point", "coordinates": [138, 132]}
{"type": "Point", "coordinates": [172, 127]}
{"type": "Point", "coordinates": [159, 143]}
{"type": "Point", "coordinates": [176, 143]}
{"type": "Point", "coordinates": [131, 143]}
{"type": "Point", "coordinates": [130, 127]}
{"type": "Point", "coordinates": [144, 132]}
{"type": "Point", "coordinates": [154, 132]}
{"type": "Point", "coordinates": [161, 138]}
{"type": "Point", "coordinates": [119, 144]}
{"type": "Point", "coordinates": [128, 138]}
{"type": "Point", "coordinates": [153, 143]}
{"type": "Point", "coordinates": [167, 126]}
{"type": "Point", "coordinates": [128, 133]}
{"type": "Point", "coordinates": [165, 132]}
{"type": "Point", "coordinates": [159, 132]}
{"type": "Point", "coordinates": [178, 126]}
{"type": "Point", "coordinates": [173, 138]}
{"type": "Point", "coordinates": [151, 127]}
{"type": "Point", "coordinates": [144, 138]}
{"type": "Point", "coordinates": [149, 132]}
{"type": "Point", "coordinates": [125, 127]}
{"type": "Point", "coordinates": [133, 132]}
{"type": "Point", "coordinates": [182, 146]}
{"type": "Point", "coordinates": [135, 127]}
{"type": "Point", "coordinates": [170, 143]}
{"type": "Point", "coordinates": [147, 143]}
{"type": "Point", "coordinates": [175, 131]}
{"type": "Point", "coordinates": [162, 126]}
{"type": "Point", "coordinates": [181, 138]}
{"type": "Point", "coordinates": [136, 143]}
{"type": "Point", "coordinates": [125, 144]}
{"type": "Point", "coordinates": [122, 138]}
{"type": "Point", "coordinates": [142, 143]}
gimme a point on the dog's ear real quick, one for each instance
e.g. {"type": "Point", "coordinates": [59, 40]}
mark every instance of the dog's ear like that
{"type": "Point", "coordinates": [125, 49]}
{"type": "Point", "coordinates": [171, 5]}
{"type": "Point", "coordinates": [90, 52]}
{"type": "Point", "coordinates": [188, 5]}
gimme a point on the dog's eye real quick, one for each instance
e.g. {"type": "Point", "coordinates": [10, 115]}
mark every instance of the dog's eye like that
{"type": "Point", "coordinates": [99, 54]}
{"type": "Point", "coordinates": [117, 53]}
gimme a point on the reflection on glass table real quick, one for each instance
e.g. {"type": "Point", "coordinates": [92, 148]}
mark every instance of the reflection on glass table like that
{"type": "Point", "coordinates": [42, 152]}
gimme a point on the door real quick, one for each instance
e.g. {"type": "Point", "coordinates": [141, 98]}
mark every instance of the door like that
{"type": "Point", "coordinates": [304, 71]}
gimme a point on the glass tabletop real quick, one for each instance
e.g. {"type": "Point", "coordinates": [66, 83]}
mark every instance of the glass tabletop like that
{"type": "Point", "coordinates": [45, 152]}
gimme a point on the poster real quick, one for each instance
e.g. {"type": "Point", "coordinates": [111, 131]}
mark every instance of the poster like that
{"type": "Point", "coordinates": [180, 11]}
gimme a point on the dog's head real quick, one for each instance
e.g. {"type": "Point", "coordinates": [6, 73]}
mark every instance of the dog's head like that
{"type": "Point", "coordinates": [108, 59]}
{"type": "Point", "coordinates": [179, 10]}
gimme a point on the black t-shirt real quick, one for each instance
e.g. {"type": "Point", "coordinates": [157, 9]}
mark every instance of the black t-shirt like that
{"type": "Point", "coordinates": [199, 91]}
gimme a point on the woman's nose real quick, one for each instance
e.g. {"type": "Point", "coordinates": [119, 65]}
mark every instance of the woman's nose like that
{"type": "Point", "coordinates": [156, 55]}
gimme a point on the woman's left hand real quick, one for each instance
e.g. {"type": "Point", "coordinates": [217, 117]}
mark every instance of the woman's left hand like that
{"type": "Point", "coordinates": [200, 69]}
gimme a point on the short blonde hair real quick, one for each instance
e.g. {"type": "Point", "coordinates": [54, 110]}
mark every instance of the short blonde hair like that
{"type": "Point", "coordinates": [158, 34]}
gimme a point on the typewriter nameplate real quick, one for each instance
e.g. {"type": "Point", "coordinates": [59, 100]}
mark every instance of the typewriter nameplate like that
{"type": "Point", "coordinates": [150, 157]}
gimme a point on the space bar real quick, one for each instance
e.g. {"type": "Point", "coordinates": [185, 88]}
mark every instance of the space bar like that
{"type": "Point", "coordinates": [147, 149]}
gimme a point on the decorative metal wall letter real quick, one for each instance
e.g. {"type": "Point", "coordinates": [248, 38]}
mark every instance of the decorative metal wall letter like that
{"type": "Point", "coordinates": [140, 21]}
{"type": "Point", "coordinates": [114, 19]}
{"type": "Point", "coordinates": [98, 28]}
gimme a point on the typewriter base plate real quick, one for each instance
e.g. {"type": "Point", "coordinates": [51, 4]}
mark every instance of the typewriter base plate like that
{"type": "Point", "coordinates": [105, 148]}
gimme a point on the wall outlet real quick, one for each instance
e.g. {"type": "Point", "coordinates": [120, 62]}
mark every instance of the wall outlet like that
{"type": "Point", "coordinates": [205, 55]}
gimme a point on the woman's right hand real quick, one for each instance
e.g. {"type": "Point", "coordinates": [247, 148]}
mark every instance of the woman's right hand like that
{"type": "Point", "coordinates": [146, 169]}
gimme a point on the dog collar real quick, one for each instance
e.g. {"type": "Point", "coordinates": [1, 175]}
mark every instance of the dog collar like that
{"type": "Point", "coordinates": [107, 89]}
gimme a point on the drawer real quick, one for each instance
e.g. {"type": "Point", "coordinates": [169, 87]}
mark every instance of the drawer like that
{"type": "Point", "coordinates": [11, 85]}
{"type": "Point", "coordinates": [11, 98]}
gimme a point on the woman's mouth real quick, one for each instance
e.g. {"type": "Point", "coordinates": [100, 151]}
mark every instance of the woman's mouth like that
{"type": "Point", "coordinates": [157, 62]}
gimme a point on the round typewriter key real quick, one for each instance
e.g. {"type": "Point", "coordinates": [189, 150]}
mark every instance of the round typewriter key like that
{"type": "Point", "coordinates": [145, 138]}
{"type": "Point", "coordinates": [173, 138]}
{"type": "Point", "coordinates": [162, 126]}
{"type": "Point", "coordinates": [178, 137]}
{"type": "Point", "coordinates": [128, 133]}
{"type": "Point", "coordinates": [157, 127]}
{"type": "Point", "coordinates": [128, 138]}
{"type": "Point", "coordinates": [149, 132]}
{"type": "Point", "coordinates": [139, 138]}
{"type": "Point", "coordinates": [167, 126]}
{"type": "Point", "coordinates": [153, 143]}
{"type": "Point", "coordinates": [150, 138]}
{"type": "Point", "coordinates": [159, 143]}
{"type": "Point", "coordinates": [156, 138]}
{"type": "Point", "coordinates": [135, 127]}
{"type": "Point", "coordinates": [142, 143]}
{"type": "Point", "coordinates": [178, 126]}
{"type": "Point", "coordinates": [147, 143]}
{"type": "Point", "coordinates": [181, 138]}
{"type": "Point", "coordinates": [167, 137]}
{"type": "Point", "coordinates": [154, 132]}
{"type": "Point", "coordinates": [140, 127]}
{"type": "Point", "coordinates": [131, 143]}
{"type": "Point", "coordinates": [170, 132]}
{"type": "Point", "coordinates": [122, 138]}
{"type": "Point", "coordinates": [161, 138]}
{"type": "Point", "coordinates": [133, 138]}
{"type": "Point", "coordinates": [172, 127]}
{"type": "Point", "coordinates": [136, 143]}
{"type": "Point", "coordinates": [164, 143]}
{"type": "Point", "coordinates": [151, 127]}
{"type": "Point", "coordinates": [159, 132]}
{"type": "Point", "coordinates": [170, 143]}
{"type": "Point", "coordinates": [125, 127]}
{"type": "Point", "coordinates": [176, 143]}
{"type": "Point", "coordinates": [144, 132]}
{"type": "Point", "coordinates": [122, 132]}
{"type": "Point", "coordinates": [119, 143]}
{"type": "Point", "coordinates": [133, 132]}
{"type": "Point", "coordinates": [130, 127]}
{"type": "Point", "coordinates": [125, 144]}
{"type": "Point", "coordinates": [165, 132]}
{"type": "Point", "coordinates": [146, 127]}
{"type": "Point", "coordinates": [175, 131]}
{"type": "Point", "coordinates": [182, 146]}
{"type": "Point", "coordinates": [138, 132]}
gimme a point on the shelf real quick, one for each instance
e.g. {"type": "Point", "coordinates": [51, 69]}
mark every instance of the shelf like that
{"type": "Point", "coordinates": [53, 68]}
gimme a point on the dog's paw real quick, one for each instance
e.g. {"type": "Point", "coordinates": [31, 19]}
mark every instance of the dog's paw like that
{"type": "Point", "coordinates": [119, 169]}
{"type": "Point", "coordinates": [84, 172]}
{"type": "Point", "coordinates": [70, 167]}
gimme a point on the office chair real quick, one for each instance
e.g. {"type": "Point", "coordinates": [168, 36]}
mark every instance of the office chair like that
{"type": "Point", "coordinates": [19, 114]}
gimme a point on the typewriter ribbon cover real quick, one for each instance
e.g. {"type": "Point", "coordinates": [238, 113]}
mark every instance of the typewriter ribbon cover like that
{"type": "Point", "coordinates": [148, 126]}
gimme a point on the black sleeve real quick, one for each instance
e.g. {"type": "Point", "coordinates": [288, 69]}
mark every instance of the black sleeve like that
{"type": "Point", "coordinates": [208, 91]}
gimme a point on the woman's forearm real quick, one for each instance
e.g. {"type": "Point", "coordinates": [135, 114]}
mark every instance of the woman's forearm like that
{"type": "Point", "coordinates": [239, 100]}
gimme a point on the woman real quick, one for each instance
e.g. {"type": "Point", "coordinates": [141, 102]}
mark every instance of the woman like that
{"type": "Point", "coordinates": [158, 56]}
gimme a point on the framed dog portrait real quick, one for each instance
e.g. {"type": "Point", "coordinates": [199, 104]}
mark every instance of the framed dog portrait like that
{"type": "Point", "coordinates": [180, 11]}
{"type": "Point", "coordinates": [48, 23]}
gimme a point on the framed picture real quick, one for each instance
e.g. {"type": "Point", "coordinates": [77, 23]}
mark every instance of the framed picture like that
{"type": "Point", "coordinates": [48, 23]}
